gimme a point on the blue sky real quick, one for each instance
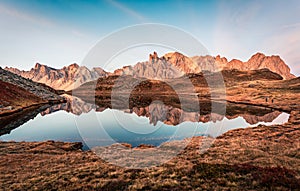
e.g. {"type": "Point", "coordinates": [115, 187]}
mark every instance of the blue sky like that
{"type": "Point", "coordinates": [61, 32]}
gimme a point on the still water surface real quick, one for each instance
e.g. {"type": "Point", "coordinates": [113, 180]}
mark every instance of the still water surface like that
{"type": "Point", "coordinates": [111, 126]}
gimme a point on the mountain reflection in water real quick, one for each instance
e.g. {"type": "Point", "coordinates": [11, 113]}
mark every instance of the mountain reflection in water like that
{"type": "Point", "coordinates": [77, 120]}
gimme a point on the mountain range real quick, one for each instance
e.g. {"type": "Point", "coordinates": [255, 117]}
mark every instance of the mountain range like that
{"type": "Point", "coordinates": [66, 78]}
{"type": "Point", "coordinates": [174, 65]}
{"type": "Point", "coordinates": [171, 65]}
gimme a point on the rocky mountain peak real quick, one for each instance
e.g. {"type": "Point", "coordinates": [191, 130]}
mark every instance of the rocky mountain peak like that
{"type": "Point", "coordinates": [175, 56]}
{"type": "Point", "coordinates": [153, 58]}
{"type": "Point", "coordinates": [258, 55]}
{"type": "Point", "coordinates": [41, 68]}
{"type": "Point", "coordinates": [273, 63]}
{"type": "Point", "coordinates": [74, 65]}
{"type": "Point", "coordinates": [37, 65]}
{"type": "Point", "coordinates": [221, 59]}
{"type": "Point", "coordinates": [182, 62]}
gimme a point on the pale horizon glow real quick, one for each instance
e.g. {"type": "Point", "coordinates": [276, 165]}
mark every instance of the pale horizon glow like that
{"type": "Point", "coordinates": [61, 33]}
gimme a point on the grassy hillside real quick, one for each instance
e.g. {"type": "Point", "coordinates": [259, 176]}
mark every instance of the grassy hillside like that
{"type": "Point", "coordinates": [14, 97]}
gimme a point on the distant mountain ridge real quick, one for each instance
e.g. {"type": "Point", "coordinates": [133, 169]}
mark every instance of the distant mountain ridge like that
{"type": "Point", "coordinates": [171, 65]}
{"type": "Point", "coordinates": [66, 78]}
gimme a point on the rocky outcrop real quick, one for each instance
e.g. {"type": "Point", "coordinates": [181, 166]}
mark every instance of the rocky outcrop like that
{"type": "Point", "coordinates": [14, 97]}
{"type": "Point", "coordinates": [153, 58]}
{"type": "Point", "coordinates": [18, 95]}
{"type": "Point", "coordinates": [38, 89]}
{"type": "Point", "coordinates": [66, 78]}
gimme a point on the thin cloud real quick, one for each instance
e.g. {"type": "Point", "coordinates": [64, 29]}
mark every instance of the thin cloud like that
{"type": "Point", "coordinates": [78, 33]}
{"type": "Point", "coordinates": [25, 16]}
{"type": "Point", "coordinates": [12, 12]}
{"type": "Point", "coordinates": [294, 25]}
{"type": "Point", "coordinates": [127, 10]}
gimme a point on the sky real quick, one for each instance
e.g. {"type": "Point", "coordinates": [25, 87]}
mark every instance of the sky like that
{"type": "Point", "coordinates": [60, 32]}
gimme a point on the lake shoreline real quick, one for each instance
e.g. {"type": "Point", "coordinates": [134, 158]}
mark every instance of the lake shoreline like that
{"type": "Point", "coordinates": [21, 109]}
{"type": "Point", "coordinates": [21, 115]}
{"type": "Point", "coordinates": [258, 154]}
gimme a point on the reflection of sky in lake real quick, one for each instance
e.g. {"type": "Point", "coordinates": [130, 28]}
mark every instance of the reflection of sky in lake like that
{"type": "Point", "coordinates": [110, 126]}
